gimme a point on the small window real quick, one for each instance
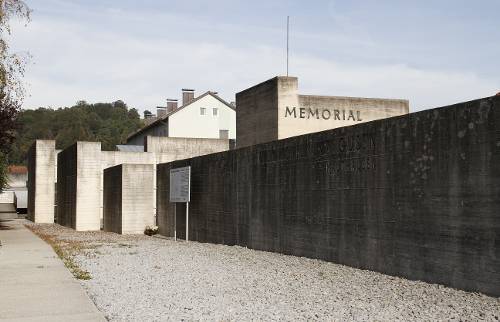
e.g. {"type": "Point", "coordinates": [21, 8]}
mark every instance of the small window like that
{"type": "Point", "coordinates": [203, 111]}
{"type": "Point", "coordinates": [223, 134]}
{"type": "Point", "coordinates": [215, 111]}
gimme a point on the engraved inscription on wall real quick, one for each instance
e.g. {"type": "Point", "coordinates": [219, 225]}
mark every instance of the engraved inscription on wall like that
{"type": "Point", "coordinates": [323, 113]}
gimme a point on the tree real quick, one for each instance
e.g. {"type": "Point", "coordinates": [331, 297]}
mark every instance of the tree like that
{"type": "Point", "coordinates": [9, 110]}
{"type": "Point", "coordinates": [12, 92]}
{"type": "Point", "coordinates": [109, 123]}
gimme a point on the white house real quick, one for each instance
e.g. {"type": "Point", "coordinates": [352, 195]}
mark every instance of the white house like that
{"type": "Point", "coordinates": [206, 116]}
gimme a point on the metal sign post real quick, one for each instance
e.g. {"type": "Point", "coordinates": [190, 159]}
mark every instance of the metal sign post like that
{"type": "Point", "coordinates": [187, 221]}
{"type": "Point", "coordinates": [180, 191]}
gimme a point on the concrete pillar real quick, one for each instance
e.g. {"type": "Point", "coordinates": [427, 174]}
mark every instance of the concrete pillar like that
{"type": "Point", "coordinates": [41, 181]}
{"type": "Point", "coordinates": [79, 186]}
{"type": "Point", "coordinates": [128, 198]}
{"type": "Point", "coordinates": [112, 158]}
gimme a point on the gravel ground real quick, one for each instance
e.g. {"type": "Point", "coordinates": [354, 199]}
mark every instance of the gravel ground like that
{"type": "Point", "coordinates": [140, 278]}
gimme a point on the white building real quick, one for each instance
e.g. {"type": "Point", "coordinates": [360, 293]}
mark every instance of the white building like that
{"type": "Point", "coordinates": [206, 116]}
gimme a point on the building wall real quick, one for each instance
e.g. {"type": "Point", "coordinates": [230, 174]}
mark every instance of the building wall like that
{"type": "Point", "coordinates": [21, 199]}
{"type": "Point", "coordinates": [129, 196]}
{"type": "Point", "coordinates": [41, 184]}
{"type": "Point", "coordinates": [413, 196]}
{"type": "Point", "coordinates": [257, 116]}
{"type": "Point", "coordinates": [17, 183]}
{"type": "Point", "coordinates": [274, 110]}
{"type": "Point", "coordinates": [189, 123]}
{"type": "Point", "coordinates": [171, 148]}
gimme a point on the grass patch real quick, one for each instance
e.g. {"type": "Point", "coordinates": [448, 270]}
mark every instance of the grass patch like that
{"type": "Point", "coordinates": [66, 250]}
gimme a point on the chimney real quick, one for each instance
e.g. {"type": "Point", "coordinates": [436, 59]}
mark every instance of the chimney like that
{"type": "Point", "coordinates": [187, 96]}
{"type": "Point", "coordinates": [161, 111]}
{"type": "Point", "coordinates": [171, 105]}
{"type": "Point", "coordinates": [147, 115]}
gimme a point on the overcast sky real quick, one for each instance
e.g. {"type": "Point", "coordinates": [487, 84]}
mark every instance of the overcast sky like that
{"type": "Point", "coordinates": [433, 53]}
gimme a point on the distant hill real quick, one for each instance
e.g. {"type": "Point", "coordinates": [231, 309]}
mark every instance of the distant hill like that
{"type": "Point", "coordinates": [109, 123]}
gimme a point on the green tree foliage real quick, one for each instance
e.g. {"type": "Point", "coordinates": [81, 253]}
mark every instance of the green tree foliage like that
{"type": "Point", "coordinates": [11, 72]}
{"type": "Point", "coordinates": [109, 123]}
{"type": "Point", "coordinates": [3, 171]}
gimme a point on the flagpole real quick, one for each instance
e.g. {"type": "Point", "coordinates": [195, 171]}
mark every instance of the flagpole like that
{"type": "Point", "coordinates": [287, 41]}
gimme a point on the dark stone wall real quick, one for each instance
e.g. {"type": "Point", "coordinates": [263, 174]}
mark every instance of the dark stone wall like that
{"type": "Point", "coordinates": [416, 196]}
{"type": "Point", "coordinates": [66, 187]}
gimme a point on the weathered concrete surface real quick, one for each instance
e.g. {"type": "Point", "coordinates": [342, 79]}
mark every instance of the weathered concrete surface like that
{"type": "Point", "coordinates": [257, 114]}
{"type": "Point", "coordinates": [34, 283]}
{"type": "Point", "coordinates": [41, 181]}
{"type": "Point", "coordinates": [414, 196]}
{"type": "Point", "coordinates": [80, 173]}
{"type": "Point", "coordinates": [168, 149]}
{"type": "Point", "coordinates": [79, 186]}
{"type": "Point", "coordinates": [274, 110]}
{"type": "Point", "coordinates": [112, 158]}
{"type": "Point", "coordinates": [128, 198]}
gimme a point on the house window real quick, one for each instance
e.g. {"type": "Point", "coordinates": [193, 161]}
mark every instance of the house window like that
{"type": "Point", "coordinates": [215, 111]}
{"type": "Point", "coordinates": [203, 111]}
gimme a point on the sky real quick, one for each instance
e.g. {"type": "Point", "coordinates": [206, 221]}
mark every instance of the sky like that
{"type": "Point", "coordinates": [433, 53]}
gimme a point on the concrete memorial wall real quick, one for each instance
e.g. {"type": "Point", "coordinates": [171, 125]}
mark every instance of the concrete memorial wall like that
{"type": "Point", "coordinates": [168, 149]}
{"type": "Point", "coordinates": [274, 110]}
{"type": "Point", "coordinates": [128, 198]}
{"type": "Point", "coordinates": [41, 181]}
{"type": "Point", "coordinates": [79, 186]}
{"type": "Point", "coordinates": [80, 174]}
{"type": "Point", "coordinates": [416, 196]}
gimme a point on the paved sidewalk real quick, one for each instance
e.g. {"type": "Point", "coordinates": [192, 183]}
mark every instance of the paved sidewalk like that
{"type": "Point", "coordinates": [34, 283]}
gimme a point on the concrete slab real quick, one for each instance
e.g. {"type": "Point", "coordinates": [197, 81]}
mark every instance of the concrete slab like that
{"type": "Point", "coordinates": [34, 283]}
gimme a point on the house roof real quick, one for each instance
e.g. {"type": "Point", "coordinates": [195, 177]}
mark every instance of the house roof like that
{"type": "Point", "coordinates": [159, 120]}
{"type": "Point", "coordinates": [130, 148]}
{"type": "Point", "coordinates": [17, 169]}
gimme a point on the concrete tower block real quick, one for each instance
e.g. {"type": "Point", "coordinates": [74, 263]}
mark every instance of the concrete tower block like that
{"type": "Point", "coordinates": [128, 198]}
{"type": "Point", "coordinates": [79, 186]}
{"type": "Point", "coordinates": [41, 181]}
{"type": "Point", "coordinates": [274, 110]}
